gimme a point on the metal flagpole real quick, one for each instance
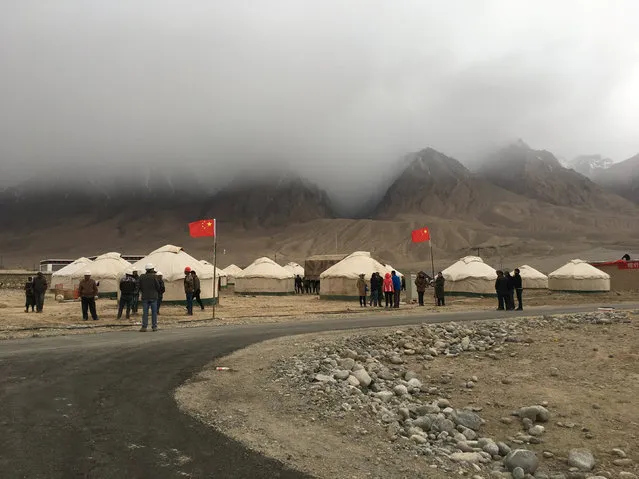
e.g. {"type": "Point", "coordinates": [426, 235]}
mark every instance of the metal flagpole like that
{"type": "Point", "coordinates": [432, 261]}
{"type": "Point", "coordinates": [215, 298]}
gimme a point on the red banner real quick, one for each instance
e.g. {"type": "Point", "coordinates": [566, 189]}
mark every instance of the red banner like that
{"type": "Point", "coordinates": [628, 265]}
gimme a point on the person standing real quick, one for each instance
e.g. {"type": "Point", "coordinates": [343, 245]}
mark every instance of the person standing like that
{"type": "Point", "coordinates": [298, 284]}
{"type": "Point", "coordinates": [30, 299]}
{"type": "Point", "coordinates": [88, 290]}
{"type": "Point", "coordinates": [440, 283]}
{"type": "Point", "coordinates": [374, 289]}
{"type": "Point", "coordinates": [501, 288]}
{"type": "Point", "coordinates": [127, 291]}
{"type": "Point", "coordinates": [136, 295]}
{"type": "Point", "coordinates": [420, 285]}
{"type": "Point", "coordinates": [39, 289]}
{"type": "Point", "coordinates": [397, 288]}
{"type": "Point", "coordinates": [361, 290]}
{"type": "Point", "coordinates": [519, 289]}
{"type": "Point", "coordinates": [403, 283]}
{"type": "Point", "coordinates": [380, 289]}
{"type": "Point", "coordinates": [162, 289]}
{"type": "Point", "coordinates": [196, 289]}
{"type": "Point", "coordinates": [388, 290]}
{"type": "Point", "coordinates": [150, 290]}
{"type": "Point", "coordinates": [510, 299]}
{"type": "Point", "coordinates": [189, 289]}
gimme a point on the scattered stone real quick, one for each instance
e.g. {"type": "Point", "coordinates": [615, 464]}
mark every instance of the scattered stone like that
{"type": "Point", "coordinates": [535, 413]}
{"type": "Point", "coordinates": [506, 420]}
{"type": "Point", "coordinates": [385, 396]}
{"type": "Point", "coordinates": [581, 459]}
{"type": "Point", "coordinates": [536, 430]}
{"type": "Point", "coordinates": [523, 458]}
{"type": "Point", "coordinates": [352, 380]}
{"type": "Point", "coordinates": [419, 439]}
{"type": "Point", "coordinates": [323, 378]}
{"type": "Point", "coordinates": [363, 377]}
{"type": "Point", "coordinates": [347, 363]}
{"type": "Point", "coordinates": [341, 374]}
{"type": "Point", "coordinates": [400, 390]}
{"type": "Point", "coordinates": [396, 360]}
{"type": "Point", "coordinates": [627, 475]}
{"type": "Point", "coordinates": [622, 462]}
{"type": "Point", "coordinates": [518, 473]}
{"type": "Point", "coordinates": [471, 457]}
{"type": "Point", "coordinates": [467, 419]}
{"type": "Point", "coordinates": [548, 454]}
{"type": "Point", "coordinates": [619, 452]}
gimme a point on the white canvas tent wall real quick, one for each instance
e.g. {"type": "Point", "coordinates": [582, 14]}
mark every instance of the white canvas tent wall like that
{"type": "Point", "coordinates": [295, 269]}
{"type": "Point", "coordinates": [470, 276]}
{"type": "Point", "coordinates": [340, 280]}
{"type": "Point", "coordinates": [532, 279]}
{"type": "Point", "coordinates": [171, 261]}
{"type": "Point", "coordinates": [390, 269]}
{"type": "Point", "coordinates": [63, 278]}
{"type": "Point", "coordinates": [579, 276]}
{"type": "Point", "coordinates": [220, 274]}
{"type": "Point", "coordinates": [107, 269]}
{"type": "Point", "coordinates": [265, 276]}
{"type": "Point", "coordinates": [231, 272]}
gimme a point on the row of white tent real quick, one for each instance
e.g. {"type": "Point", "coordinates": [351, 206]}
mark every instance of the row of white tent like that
{"type": "Point", "coordinates": [469, 275]}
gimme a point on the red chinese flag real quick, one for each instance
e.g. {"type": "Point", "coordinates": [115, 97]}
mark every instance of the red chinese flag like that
{"type": "Point", "coordinates": [201, 228]}
{"type": "Point", "coordinates": [421, 235]}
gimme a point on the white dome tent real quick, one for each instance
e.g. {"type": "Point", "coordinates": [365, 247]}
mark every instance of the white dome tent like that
{"type": "Point", "coordinates": [171, 261]}
{"type": "Point", "coordinates": [232, 271]}
{"type": "Point", "coordinates": [220, 274]}
{"type": "Point", "coordinates": [532, 279]}
{"type": "Point", "coordinates": [63, 278]}
{"type": "Point", "coordinates": [295, 269]}
{"type": "Point", "coordinates": [390, 269]}
{"type": "Point", "coordinates": [579, 277]}
{"type": "Point", "coordinates": [106, 269]}
{"type": "Point", "coordinates": [340, 280]}
{"type": "Point", "coordinates": [470, 276]}
{"type": "Point", "coordinates": [265, 276]}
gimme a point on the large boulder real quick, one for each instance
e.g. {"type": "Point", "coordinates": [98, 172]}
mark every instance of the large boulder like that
{"type": "Point", "coordinates": [523, 458]}
{"type": "Point", "coordinates": [469, 419]}
{"type": "Point", "coordinates": [581, 459]}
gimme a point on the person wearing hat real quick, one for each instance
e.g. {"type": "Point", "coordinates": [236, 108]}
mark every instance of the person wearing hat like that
{"type": "Point", "coordinates": [361, 290]}
{"type": "Point", "coordinates": [162, 289]}
{"type": "Point", "coordinates": [136, 294]}
{"type": "Point", "coordinates": [150, 291]}
{"type": "Point", "coordinates": [196, 289]}
{"type": "Point", "coordinates": [189, 289]}
{"type": "Point", "coordinates": [127, 291]}
{"type": "Point", "coordinates": [39, 289]}
{"type": "Point", "coordinates": [88, 290]}
{"type": "Point", "coordinates": [30, 299]}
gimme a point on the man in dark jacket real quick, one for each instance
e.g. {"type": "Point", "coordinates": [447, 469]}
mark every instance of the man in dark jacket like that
{"type": "Point", "coordinates": [420, 284]}
{"type": "Point", "coordinates": [519, 289]}
{"type": "Point", "coordinates": [150, 290]}
{"type": "Point", "coordinates": [39, 289]}
{"type": "Point", "coordinates": [380, 290]}
{"type": "Point", "coordinates": [196, 289]}
{"type": "Point", "coordinates": [188, 290]}
{"type": "Point", "coordinates": [136, 295]}
{"type": "Point", "coordinates": [501, 288]}
{"type": "Point", "coordinates": [510, 300]}
{"type": "Point", "coordinates": [127, 291]}
{"type": "Point", "coordinates": [397, 288]}
{"type": "Point", "coordinates": [88, 290]}
{"type": "Point", "coordinates": [162, 289]}
{"type": "Point", "coordinates": [298, 284]}
{"type": "Point", "coordinates": [374, 282]}
{"type": "Point", "coordinates": [30, 300]}
{"type": "Point", "coordinates": [440, 283]}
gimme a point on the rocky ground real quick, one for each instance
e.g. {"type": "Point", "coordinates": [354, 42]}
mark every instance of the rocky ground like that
{"type": "Point", "coordinates": [544, 397]}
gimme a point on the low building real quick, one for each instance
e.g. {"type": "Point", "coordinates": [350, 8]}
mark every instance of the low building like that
{"type": "Point", "coordinates": [624, 275]}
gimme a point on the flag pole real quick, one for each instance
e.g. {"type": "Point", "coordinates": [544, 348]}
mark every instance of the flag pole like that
{"type": "Point", "coordinates": [215, 297]}
{"type": "Point", "coordinates": [432, 261]}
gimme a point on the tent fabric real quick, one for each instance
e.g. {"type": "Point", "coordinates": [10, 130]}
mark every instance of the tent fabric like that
{"type": "Point", "coordinates": [64, 276]}
{"type": "Point", "coordinates": [531, 278]}
{"type": "Point", "coordinates": [389, 269]}
{"type": "Point", "coordinates": [219, 273]}
{"type": "Point", "coordinates": [107, 270]}
{"type": "Point", "coordinates": [231, 271]}
{"type": "Point", "coordinates": [577, 275]}
{"type": "Point", "coordinates": [340, 280]}
{"type": "Point", "coordinates": [171, 261]}
{"type": "Point", "coordinates": [470, 275]}
{"type": "Point", "coordinates": [295, 269]}
{"type": "Point", "coordinates": [265, 276]}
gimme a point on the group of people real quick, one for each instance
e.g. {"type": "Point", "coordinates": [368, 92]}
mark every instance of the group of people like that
{"type": "Point", "coordinates": [389, 289]}
{"type": "Point", "coordinates": [34, 291]}
{"type": "Point", "coordinates": [506, 286]}
{"type": "Point", "coordinates": [192, 290]}
{"type": "Point", "coordinates": [306, 285]}
{"type": "Point", "coordinates": [130, 290]}
{"type": "Point", "coordinates": [422, 281]}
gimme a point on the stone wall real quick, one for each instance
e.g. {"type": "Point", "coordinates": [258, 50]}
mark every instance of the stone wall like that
{"type": "Point", "coordinates": [17, 279]}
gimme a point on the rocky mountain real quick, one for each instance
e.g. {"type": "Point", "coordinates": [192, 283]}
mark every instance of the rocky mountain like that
{"type": "Point", "coordinates": [622, 178]}
{"type": "Point", "coordinates": [589, 165]}
{"type": "Point", "coordinates": [537, 174]}
{"type": "Point", "coordinates": [437, 185]}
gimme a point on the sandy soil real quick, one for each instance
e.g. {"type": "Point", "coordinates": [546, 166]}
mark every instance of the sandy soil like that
{"type": "Point", "coordinates": [66, 318]}
{"type": "Point", "coordinates": [594, 394]}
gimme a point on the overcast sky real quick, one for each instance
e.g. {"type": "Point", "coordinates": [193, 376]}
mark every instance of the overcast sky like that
{"type": "Point", "coordinates": [317, 84]}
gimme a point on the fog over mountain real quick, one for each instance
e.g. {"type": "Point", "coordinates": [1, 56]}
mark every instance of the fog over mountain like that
{"type": "Point", "coordinates": [333, 90]}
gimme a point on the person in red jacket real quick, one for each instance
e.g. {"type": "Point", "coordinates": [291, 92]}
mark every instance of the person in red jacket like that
{"type": "Point", "coordinates": [388, 290]}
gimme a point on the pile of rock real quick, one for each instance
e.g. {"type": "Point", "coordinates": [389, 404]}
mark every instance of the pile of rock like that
{"type": "Point", "coordinates": [365, 374]}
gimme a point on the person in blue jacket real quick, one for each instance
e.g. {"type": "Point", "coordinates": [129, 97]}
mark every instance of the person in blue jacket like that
{"type": "Point", "coordinates": [397, 286]}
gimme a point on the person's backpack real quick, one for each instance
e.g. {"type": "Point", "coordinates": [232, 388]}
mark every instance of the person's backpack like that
{"type": "Point", "coordinates": [128, 286]}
